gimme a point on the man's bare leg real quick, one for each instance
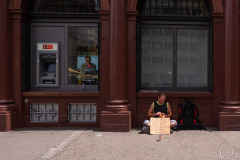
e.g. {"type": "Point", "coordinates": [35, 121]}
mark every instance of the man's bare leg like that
{"type": "Point", "coordinates": [172, 124]}
{"type": "Point", "coordinates": [148, 125]}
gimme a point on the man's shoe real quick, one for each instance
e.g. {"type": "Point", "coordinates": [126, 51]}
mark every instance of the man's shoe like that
{"type": "Point", "coordinates": [145, 129]}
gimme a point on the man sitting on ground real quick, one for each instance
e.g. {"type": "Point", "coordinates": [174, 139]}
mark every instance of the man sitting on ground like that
{"type": "Point", "coordinates": [160, 108]}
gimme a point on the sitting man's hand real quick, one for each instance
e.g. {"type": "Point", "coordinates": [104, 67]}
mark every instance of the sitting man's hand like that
{"type": "Point", "coordinates": [162, 115]}
{"type": "Point", "coordinates": [158, 114]}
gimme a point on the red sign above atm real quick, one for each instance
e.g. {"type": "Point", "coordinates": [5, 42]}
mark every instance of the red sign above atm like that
{"type": "Point", "coordinates": [47, 46]}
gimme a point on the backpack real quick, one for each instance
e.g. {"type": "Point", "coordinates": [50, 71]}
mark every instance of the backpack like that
{"type": "Point", "coordinates": [188, 117]}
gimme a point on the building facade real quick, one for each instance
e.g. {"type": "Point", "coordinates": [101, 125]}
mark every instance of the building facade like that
{"type": "Point", "coordinates": [101, 63]}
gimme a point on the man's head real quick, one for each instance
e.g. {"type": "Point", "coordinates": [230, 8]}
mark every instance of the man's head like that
{"type": "Point", "coordinates": [161, 98]}
{"type": "Point", "coordinates": [88, 59]}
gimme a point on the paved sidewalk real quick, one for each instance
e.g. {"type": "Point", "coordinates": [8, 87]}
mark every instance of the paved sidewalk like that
{"type": "Point", "coordinates": [79, 143]}
{"type": "Point", "coordinates": [30, 144]}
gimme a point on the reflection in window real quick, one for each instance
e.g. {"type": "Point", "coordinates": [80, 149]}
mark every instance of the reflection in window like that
{"type": "Point", "coordinates": [157, 64]}
{"type": "Point", "coordinates": [174, 45]}
{"type": "Point", "coordinates": [83, 55]}
{"type": "Point", "coordinates": [185, 66]}
{"type": "Point", "coordinates": [192, 58]}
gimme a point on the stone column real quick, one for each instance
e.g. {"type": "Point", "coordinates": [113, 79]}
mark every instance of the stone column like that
{"type": "Point", "coordinates": [132, 51]}
{"type": "Point", "coordinates": [17, 15]}
{"type": "Point", "coordinates": [116, 116]}
{"type": "Point", "coordinates": [7, 108]}
{"type": "Point", "coordinates": [229, 115]}
{"type": "Point", "coordinates": [118, 51]}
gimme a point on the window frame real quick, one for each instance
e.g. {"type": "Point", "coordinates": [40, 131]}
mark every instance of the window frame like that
{"type": "Point", "coordinates": [63, 19]}
{"type": "Point", "coordinates": [66, 83]}
{"type": "Point", "coordinates": [203, 23]}
{"type": "Point", "coordinates": [63, 61]}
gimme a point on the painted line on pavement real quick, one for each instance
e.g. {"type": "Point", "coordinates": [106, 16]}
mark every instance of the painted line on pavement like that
{"type": "Point", "coordinates": [59, 147]}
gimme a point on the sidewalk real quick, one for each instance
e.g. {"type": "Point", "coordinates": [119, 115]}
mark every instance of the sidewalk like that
{"type": "Point", "coordinates": [80, 143]}
{"type": "Point", "coordinates": [30, 144]}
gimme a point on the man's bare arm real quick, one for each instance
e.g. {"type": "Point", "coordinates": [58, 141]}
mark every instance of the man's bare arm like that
{"type": "Point", "coordinates": [150, 112]}
{"type": "Point", "coordinates": [169, 111]}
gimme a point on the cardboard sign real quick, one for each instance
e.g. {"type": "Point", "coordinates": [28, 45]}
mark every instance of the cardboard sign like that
{"type": "Point", "coordinates": [159, 125]}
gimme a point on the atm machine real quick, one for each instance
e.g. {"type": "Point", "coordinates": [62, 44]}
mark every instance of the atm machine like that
{"type": "Point", "coordinates": [47, 66]}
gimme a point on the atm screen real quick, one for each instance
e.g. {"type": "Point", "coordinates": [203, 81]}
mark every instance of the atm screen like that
{"type": "Point", "coordinates": [51, 67]}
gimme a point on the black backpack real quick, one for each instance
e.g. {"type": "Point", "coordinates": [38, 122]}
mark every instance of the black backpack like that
{"type": "Point", "coordinates": [188, 117]}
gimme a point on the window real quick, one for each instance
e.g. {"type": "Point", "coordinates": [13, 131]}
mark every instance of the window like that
{"type": "Point", "coordinates": [65, 6]}
{"type": "Point", "coordinates": [74, 26]}
{"type": "Point", "coordinates": [174, 7]}
{"type": "Point", "coordinates": [175, 51]}
{"type": "Point", "coordinates": [192, 57]}
{"type": "Point", "coordinates": [157, 64]}
{"type": "Point", "coordinates": [83, 55]}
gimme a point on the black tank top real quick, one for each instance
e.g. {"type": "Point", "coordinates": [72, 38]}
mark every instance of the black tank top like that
{"type": "Point", "coordinates": [163, 108]}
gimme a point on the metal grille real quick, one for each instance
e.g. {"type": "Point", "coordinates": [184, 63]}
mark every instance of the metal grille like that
{"type": "Point", "coordinates": [82, 112]}
{"type": "Point", "coordinates": [175, 7]}
{"type": "Point", "coordinates": [65, 6]}
{"type": "Point", "coordinates": [43, 112]}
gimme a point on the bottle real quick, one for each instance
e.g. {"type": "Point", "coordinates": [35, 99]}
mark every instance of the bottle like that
{"type": "Point", "coordinates": [80, 81]}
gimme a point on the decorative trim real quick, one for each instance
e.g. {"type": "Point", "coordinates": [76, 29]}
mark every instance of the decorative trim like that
{"type": "Point", "coordinates": [217, 15]}
{"type": "Point", "coordinates": [7, 101]}
{"type": "Point", "coordinates": [104, 14]}
{"type": "Point", "coordinates": [44, 112]}
{"type": "Point", "coordinates": [132, 15]}
{"type": "Point", "coordinates": [7, 106]}
{"type": "Point", "coordinates": [176, 8]}
{"type": "Point", "coordinates": [82, 112]}
{"type": "Point", "coordinates": [176, 95]}
{"type": "Point", "coordinates": [59, 94]}
{"type": "Point", "coordinates": [18, 13]}
{"type": "Point", "coordinates": [232, 103]}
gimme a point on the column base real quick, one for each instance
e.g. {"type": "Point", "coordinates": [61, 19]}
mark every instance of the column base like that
{"type": "Point", "coordinates": [116, 118]}
{"type": "Point", "coordinates": [229, 116]}
{"type": "Point", "coordinates": [8, 115]}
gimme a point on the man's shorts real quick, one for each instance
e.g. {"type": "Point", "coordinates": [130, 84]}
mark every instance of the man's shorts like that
{"type": "Point", "coordinates": [148, 121]}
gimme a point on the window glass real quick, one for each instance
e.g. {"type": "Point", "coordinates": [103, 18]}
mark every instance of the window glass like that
{"type": "Point", "coordinates": [197, 8]}
{"type": "Point", "coordinates": [173, 58]}
{"type": "Point", "coordinates": [65, 6]}
{"type": "Point", "coordinates": [83, 55]}
{"type": "Point", "coordinates": [192, 58]}
{"type": "Point", "coordinates": [157, 57]}
{"type": "Point", "coordinates": [174, 45]}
